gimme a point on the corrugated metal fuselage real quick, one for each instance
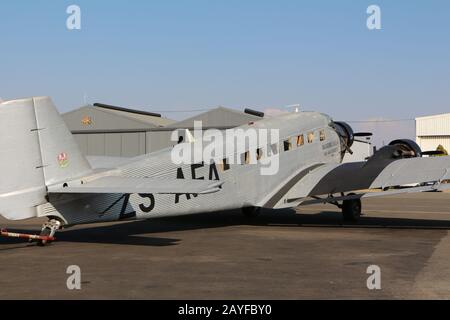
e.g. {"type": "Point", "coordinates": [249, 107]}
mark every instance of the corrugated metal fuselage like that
{"type": "Point", "coordinates": [243, 185]}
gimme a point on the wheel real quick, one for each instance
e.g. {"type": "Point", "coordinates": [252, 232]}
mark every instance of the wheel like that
{"type": "Point", "coordinates": [351, 210]}
{"type": "Point", "coordinates": [44, 232]}
{"type": "Point", "coordinates": [251, 212]}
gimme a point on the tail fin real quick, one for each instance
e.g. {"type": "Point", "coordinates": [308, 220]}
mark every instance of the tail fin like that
{"type": "Point", "coordinates": [36, 150]}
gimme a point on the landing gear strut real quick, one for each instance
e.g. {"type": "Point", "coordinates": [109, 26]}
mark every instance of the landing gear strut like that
{"type": "Point", "coordinates": [351, 208]}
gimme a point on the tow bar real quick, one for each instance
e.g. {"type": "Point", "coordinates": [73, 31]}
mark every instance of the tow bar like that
{"type": "Point", "coordinates": [30, 237]}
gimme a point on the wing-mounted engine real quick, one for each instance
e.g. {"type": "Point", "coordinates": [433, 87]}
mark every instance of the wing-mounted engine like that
{"type": "Point", "coordinates": [397, 149]}
{"type": "Point", "coordinates": [405, 148]}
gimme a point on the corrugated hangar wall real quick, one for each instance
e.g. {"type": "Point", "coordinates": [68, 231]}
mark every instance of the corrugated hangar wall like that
{"type": "Point", "coordinates": [127, 144]}
{"type": "Point", "coordinates": [114, 132]}
{"type": "Point", "coordinates": [432, 131]}
{"type": "Point", "coordinates": [431, 143]}
{"type": "Point", "coordinates": [102, 130]}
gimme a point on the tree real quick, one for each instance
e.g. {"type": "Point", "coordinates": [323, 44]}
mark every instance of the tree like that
{"type": "Point", "coordinates": [442, 150]}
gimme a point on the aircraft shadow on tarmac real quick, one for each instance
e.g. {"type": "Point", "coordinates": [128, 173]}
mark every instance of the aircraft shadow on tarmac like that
{"type": "Point", "coordinates": [131, 233]}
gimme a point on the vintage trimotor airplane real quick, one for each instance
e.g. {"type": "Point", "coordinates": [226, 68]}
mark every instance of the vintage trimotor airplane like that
{"type": "Point", "coordinates": [44, 173]}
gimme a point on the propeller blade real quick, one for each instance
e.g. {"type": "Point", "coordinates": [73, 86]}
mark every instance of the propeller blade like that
{"type": "Point", "coordinates": [433, 153]}
{"type": "Point", "coordinates": [347, 148]}
{"type": "Point", "coordinates": [363, 134]}
{"type": "Point", "coordinates": [362, 141]}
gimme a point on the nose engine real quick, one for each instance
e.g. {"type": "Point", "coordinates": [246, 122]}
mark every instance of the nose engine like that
{"type": "Point", "coordinates": [346, 135]}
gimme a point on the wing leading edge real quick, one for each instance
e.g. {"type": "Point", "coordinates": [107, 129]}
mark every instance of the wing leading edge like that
{"type": "Point", "coordinates": [328, 179]}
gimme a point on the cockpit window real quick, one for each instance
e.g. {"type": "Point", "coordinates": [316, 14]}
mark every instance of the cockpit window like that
{"type": "Point", "coordinates": [225, 165]}
{"type": "Point", "coordinates": [259, 153]}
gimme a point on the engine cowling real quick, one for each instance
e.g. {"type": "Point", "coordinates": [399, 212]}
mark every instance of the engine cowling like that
{"type": "Point", "coordinates": [397, 149]}
{"type": "Point", "coordinates": [346, 133]}
{"type": "Point", "coordinates": [406, 148]}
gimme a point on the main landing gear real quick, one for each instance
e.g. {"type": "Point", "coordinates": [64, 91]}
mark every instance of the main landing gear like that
{"type": "Point", "coordinates": [351, 208]}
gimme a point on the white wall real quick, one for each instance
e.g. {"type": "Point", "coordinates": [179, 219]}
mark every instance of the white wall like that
{"type": "Point", "coordinates": [438, 125]}
{"type": "Point", "coordinates": [431, 143]}
{"type": "Point", "coordinates": [361, 151]}
{"type": "Point", "coordinates": [432, 131]}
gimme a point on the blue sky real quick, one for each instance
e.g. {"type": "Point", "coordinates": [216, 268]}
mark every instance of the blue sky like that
{"type": "Point", "coordinates": [194, 54]}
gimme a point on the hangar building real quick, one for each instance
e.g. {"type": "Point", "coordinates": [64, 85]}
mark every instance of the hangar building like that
{"type": "Point", "coordinates": [432, 131]}
{"type": "Point", "coordinates": [103, 130]}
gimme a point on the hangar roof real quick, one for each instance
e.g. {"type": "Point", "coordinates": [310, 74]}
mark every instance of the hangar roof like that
{"type": "Point", "coordinates": [217, 118]}
{"type": "Point", "coordinates": [91, 118]}
{"type": "Point", "coordinates": [98, 119]}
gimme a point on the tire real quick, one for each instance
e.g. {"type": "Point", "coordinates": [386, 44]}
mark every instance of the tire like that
{"type": "Point", "coordinates": [251, 212]}
{"type": "Point", "coordinates": [45, 232]}
{"type": "Point", "coordinates": [351, 210]}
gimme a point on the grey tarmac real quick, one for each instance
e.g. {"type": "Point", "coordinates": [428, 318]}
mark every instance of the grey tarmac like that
{"type": "Point", "coordinates": [302, 254]}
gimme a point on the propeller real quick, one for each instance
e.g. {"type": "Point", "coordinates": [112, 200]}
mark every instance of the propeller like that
{"type": "Point", "coordinates": [347, 148]}
{"type": "Point", "coordinates": [433, 153]}
{"type": "Point", "coordinates": [345, 132]}
{"type": "Point", "coordinates": [363, 134]}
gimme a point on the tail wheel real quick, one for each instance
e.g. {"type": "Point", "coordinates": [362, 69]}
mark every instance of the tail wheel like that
{"type": "Point", "coordinates": [251, 212]}
{"type": "Point", "coordinates": [351, 210]}
{"type": "Point", "coordinates": [48, 230]}
{"type": "Point", "coordinates": [45, 232]}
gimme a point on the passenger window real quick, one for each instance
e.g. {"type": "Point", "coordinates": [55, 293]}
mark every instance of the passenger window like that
{"type": "Point", "coordinates": [322, 135]}
{"type": "Point", "coordinates": [274, 148]}
{"type": "Point", "coordinates": [225, 165]}
{"type": "Point", "coordinates": [245, 158]}
{"type": "Point", "coordinates": [259, 153]}
{"type": "Point", "coordinates": [310, 137]}
{"type": "Point", "coordinates": [287, 145]}
{"type": "Point", "coordinates": [300, 140]}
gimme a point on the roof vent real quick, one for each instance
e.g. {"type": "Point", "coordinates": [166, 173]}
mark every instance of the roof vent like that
{"type": "Point", "coordinates": [145, 113]}
{"type": "Point", "coordinates": [254, 113]}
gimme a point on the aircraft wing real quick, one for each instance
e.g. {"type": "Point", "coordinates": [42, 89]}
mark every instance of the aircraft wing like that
{"type": "Point", "coordinates": [125, 185]}
{"type": "Point", "coordinates": [328, 179]}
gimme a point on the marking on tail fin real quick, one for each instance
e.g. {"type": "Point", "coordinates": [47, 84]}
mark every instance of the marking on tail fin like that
{"type": "Point", "coordinates": [63, 160]}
